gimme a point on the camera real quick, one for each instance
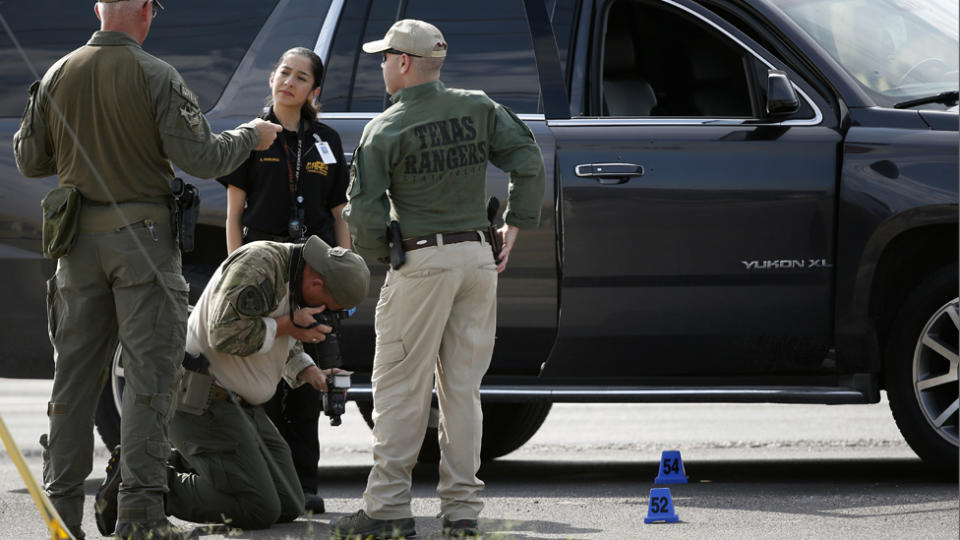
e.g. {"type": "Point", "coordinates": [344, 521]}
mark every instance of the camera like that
{"type": "Point", "coordinates": [326, 355]}
{"type": "Point", "coordinates": [335, 398]}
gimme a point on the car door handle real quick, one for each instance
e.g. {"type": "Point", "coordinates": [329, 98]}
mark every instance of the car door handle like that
{"type": "Point", "coordinates": [609, 173]}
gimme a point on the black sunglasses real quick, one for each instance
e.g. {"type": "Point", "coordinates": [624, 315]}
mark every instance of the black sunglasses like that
{"type": "Point", "coordinates": [395, 51]}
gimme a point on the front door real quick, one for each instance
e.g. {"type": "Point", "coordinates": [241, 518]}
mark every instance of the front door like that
{"type": "Point", "coordinates": [697, 232]}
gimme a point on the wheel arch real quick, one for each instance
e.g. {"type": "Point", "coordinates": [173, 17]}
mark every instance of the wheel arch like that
{"type": "Point", "coordinates": [905, 261]}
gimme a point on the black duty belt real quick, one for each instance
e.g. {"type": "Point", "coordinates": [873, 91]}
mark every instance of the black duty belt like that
{"type": "Point", "coordinates": [410, 244]}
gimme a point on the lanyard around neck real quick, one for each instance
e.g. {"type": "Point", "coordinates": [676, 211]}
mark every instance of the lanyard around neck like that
{"type": "Point", "coordinates": [296, 199]}
{"type": "Point", "coordinates": [294, 171]}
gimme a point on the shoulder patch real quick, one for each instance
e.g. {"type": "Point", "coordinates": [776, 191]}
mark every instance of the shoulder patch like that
{"type": "Point", "coordinates": [190, 109]}
{"type": "Point", "coordinates": [185, 92]}
{"type": "Point", "coordinates": [251, 301]}
{"type": "Point", "coordinates": [337, 251]}
{"type": "Point", "coordinates": [193, 117]}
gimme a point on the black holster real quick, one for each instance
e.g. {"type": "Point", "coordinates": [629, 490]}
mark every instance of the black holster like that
{"type": "Point", "coordinates": [186, 206]}
{"type": "Point", "coordinates": [395, 241]}
{"type": "Point", "coordinates": [496, 244]}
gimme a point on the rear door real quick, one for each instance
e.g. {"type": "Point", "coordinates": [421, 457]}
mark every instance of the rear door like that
{"type": "Point", "coordinates": [698, 233]}
{"type": "Point", "coordinates": [490, 49]}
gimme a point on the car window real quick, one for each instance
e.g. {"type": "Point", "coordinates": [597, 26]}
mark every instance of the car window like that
{"type": "Point", "coordinates": [353, 80]}
{"type": "Point", "coordinates": [894, 49]}
{"type": "Point", "coordinates": [204, 41]}
{"type": "Point", "coordinates": [490, 50]}
{"type": "Point", "coordinates": [659, 61]}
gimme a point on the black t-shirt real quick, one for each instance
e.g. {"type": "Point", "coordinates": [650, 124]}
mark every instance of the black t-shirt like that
{"type": "Point", "coordinates": [265, 176]}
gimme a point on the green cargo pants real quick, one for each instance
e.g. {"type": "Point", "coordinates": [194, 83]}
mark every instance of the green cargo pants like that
{"type": "Point", "coordinates": [112, 285]}
{"type": "Point", "coordinates": [235, 480]}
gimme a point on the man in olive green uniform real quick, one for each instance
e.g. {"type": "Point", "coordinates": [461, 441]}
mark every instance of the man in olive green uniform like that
{"type": "Point", "coordinates": [109, 118]}
{"type": "Point", "coordinates": [249, 325]}
{"type": "Point", "coordinates": [423, 163]}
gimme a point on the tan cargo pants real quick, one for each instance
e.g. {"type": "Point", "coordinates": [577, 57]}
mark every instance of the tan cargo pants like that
{"type": "Point", "coordinates": [106, 289]}
{"type": "Point", "coordinates": [436, 318]}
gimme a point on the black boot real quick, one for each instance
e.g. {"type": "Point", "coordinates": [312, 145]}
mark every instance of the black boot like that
{"type": "Point", "coordinates": [105, 505]}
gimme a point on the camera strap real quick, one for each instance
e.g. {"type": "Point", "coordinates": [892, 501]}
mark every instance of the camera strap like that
{"type": "Point", "coordinates": [296, 275]}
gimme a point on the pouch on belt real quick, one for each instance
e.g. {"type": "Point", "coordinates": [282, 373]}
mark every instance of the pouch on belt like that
{"type": "Point", "coordinates": [195, 391]}
{"type": "Point", "coordinates": [61, 216]}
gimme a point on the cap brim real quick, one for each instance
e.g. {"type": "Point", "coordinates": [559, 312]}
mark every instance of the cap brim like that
{"type": "Point", "coordinates": [379, 45]}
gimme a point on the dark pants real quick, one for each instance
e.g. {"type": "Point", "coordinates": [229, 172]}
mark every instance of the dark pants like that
{"type": "Point", "coordinates": [124, 285]}
{"type": "Point", "coordinates": [296, 413]}
{"type": "Point", "coordinates": [241, 470]}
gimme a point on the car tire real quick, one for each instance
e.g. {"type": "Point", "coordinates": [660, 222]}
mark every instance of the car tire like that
{"type": "Point", "coordinates": [506, 427]}
{"type": "Point", "coordinates": [920, 370]}
{"type": "Point", "coordinates": [107, 417]}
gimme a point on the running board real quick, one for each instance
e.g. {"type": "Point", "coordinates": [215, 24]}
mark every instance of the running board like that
{"type": "Point", "coordinates": [830, 395]}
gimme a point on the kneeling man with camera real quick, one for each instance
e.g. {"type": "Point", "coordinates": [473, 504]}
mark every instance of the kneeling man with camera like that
{"type": "Point", "coordinates": [245, 334]}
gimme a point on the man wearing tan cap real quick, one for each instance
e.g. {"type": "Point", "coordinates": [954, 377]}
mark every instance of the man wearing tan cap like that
{"type": "Point", "coordinates": [109, 119]}
{"type": "Point", "coordinates": [245, 334]}
{"type": "Point", "coordinates": [422, 163]}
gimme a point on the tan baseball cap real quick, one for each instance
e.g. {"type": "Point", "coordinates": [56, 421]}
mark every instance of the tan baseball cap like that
{"type": "Point", "coordinates": [412, 36]}
{"type": "Point", "coordinates": [345, 272]}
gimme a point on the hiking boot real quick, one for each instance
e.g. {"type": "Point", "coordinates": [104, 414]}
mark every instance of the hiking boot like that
{"type": "Point", "coordinates": [105, 503]}
{"type": "Point", "coordinates": [360, 525]}
{"type": "Point", "coordinates": [157, 529]}
{"type": "Point", "coordinates": [460, 527]}
{"type": "Point", "coordinates": [313, 503]}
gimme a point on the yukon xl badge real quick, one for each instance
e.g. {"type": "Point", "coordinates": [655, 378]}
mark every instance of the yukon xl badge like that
{"type": "Point", "coordinates": [777, 264]}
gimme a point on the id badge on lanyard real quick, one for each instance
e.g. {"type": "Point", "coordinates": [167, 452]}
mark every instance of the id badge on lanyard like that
{"type": "Point", "coordinates": [326, 154]}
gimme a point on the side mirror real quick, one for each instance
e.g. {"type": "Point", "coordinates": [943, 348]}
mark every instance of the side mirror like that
{"type": "Point", "coordinates": [781, 98]}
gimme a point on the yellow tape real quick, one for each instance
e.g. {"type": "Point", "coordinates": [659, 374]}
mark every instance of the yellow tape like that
{"type": "Point", "coordinates": [57, 529]}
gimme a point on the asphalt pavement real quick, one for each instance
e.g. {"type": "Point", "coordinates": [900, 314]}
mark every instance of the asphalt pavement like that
{"type": "Point", "coordinates": [755, 471]}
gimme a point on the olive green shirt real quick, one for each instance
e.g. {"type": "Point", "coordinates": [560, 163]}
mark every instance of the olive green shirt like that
{"type": "Point", "coordinates": [234, 322]}
{"type": "Point", "coordinates": [423, 162]}
{"type": "Point", "coordinates": [132, 115]}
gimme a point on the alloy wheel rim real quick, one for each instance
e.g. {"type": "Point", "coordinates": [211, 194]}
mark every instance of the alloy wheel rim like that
{"type": "Point", "coordinates": [935, 361]}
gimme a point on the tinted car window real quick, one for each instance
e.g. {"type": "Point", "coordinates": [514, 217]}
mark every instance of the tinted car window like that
{"type": "Point", "coordinates": [353, 80]}
{"type": "Point", "coordinates": [490, 50]}
{"type": "Point", "coordinates": [657, 61]}
{"type": "Point", "coordinates": [895, 50]}
{"type": "Point", "coordinates": [204, 41]}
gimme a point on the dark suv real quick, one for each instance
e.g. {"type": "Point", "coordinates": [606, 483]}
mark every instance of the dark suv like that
{"type": "Point", "coordinates": [747, 200]}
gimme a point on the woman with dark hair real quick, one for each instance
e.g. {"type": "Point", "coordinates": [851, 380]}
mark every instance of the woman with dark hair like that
{"type": "Point", "coordinates": [297, 187]}
{"type": "Point", "coordinates": [294, 189]}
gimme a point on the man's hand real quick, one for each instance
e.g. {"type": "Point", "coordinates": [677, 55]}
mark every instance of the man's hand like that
{"type": "Point", "coordinates": [303, 318]}
{"type": "Point", "coordinates": [508, 235]}
{"type": "Point", "coordinates": [316, 377]}
{"type": "Point", "coordinates": [268, 132]}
